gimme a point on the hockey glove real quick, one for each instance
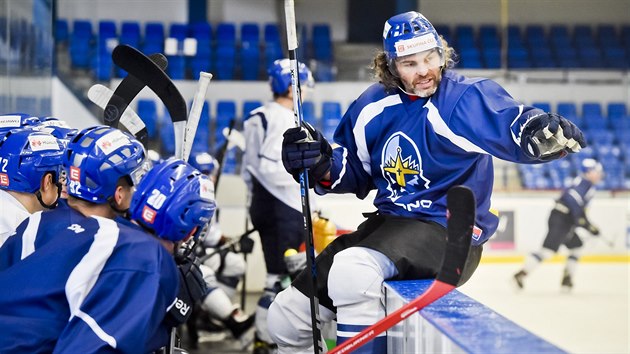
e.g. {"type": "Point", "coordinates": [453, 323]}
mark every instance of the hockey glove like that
{"type": "Point", "coordinates": [584, 223]}
{"type": "Point", "coordinates": [305, 147]}
{"type": "Point", "coordinates": [550, 136]}
{"type": "Point", "coordinates": [192, 288]}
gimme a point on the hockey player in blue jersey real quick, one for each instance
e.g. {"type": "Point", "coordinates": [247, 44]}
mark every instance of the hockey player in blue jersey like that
{"type": "Point", "coordinates": [30, 169]}
{"type": "Point", "coordinates": [568, 214]}
{"type": "Point", "coordinates": [419, 131]}
{"type": "Point", "coordinates": [108, 284]}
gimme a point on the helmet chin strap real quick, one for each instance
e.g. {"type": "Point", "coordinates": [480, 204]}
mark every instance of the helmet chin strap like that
{"type": "Point", "coordinates": [38, 194]}
{"type": "Point", "coordinates": [112, 204]}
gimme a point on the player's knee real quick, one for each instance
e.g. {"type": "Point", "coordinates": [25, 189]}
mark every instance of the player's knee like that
{"type": "Point", "coordinates": [288, 319]}
{"type": "Point", "coordinates": [356, 276]}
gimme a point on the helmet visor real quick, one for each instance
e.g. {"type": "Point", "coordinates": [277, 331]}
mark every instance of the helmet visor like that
{"type": "Point", "coordinates": [142, 169]}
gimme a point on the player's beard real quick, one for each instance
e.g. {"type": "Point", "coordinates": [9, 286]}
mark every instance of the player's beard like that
{"type": "Point", "coordinates": [426, 89]}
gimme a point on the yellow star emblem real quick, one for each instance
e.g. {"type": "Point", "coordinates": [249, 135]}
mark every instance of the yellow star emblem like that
{"type": "Point", "coordinates": [400, 168]}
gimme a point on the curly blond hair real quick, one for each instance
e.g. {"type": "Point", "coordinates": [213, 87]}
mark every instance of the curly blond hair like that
{"type": "Point", "coordinates": [392, 82]}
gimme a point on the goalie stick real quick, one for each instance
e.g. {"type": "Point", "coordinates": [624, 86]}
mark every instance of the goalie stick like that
{"type": "Point", "coordinates": [289, 14]}
{"type": "Point", "coordinates": [461, 206]}
{"type": "Point", "coordinates": [149, 73]}
{"type": "Point", "coordinates": [125, 92]}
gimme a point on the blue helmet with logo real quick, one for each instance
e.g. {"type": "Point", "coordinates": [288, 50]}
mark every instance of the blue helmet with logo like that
{"type": "Point", "coordinates": [589, 164]}
{"type": "Point", "coordinates": [57, 127]}
{"type": "Point", "coordinates": [409, 33]}
{"type": "Point", "coordinates": [16, 120]}
{"type": "Point", "coordinates": [26, 156]}
{"type": "Point", "coordinates": [97, 157]}
{"type": "Point", "coordinates": [174, 201]}
{"type": "Point", "coordinates": [280, 76]}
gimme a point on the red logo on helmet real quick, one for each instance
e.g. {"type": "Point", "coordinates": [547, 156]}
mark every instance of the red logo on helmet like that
{"type": "Point", "coordinates": [148, 214]}
{"type": "Point", "coordinates": [4, 180]}
{"type": "Point", "coordinates": [401, 48]}
{"type": "Point", "coordinates": [106, 145]}
{"type": "Point", "coordinates": [75, 173]}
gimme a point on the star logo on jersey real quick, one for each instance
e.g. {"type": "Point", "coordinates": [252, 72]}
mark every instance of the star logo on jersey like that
{"type": "Point", "coordinates": [401, 166]}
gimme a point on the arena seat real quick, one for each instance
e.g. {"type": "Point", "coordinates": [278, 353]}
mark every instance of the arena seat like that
{"type": "Point", "coordinates": [225, 55]}
{"type": "Point", "coordinates": [331, 115]}
{"type": "Point", "coordinates": [249, 106]}
{"type": "Point", "coordinates": [226, 112]}
{"type": "Point", "coordinates": [147, 111]}
{"type": "Point", "coordinates": [250, 51]}
{"type": "Point", "coordinates": [273, 47]}
{"type": "Point", "coordinates": [153, 38]}
{"type": "Point", "coordinates": [80, 44]}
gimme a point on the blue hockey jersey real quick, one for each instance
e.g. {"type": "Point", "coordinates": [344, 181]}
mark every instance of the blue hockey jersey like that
{"type": "Point", "coordinates": [413, 150]}
{"type": "Point", "coordinates": [577, 196]}
{"type": "Point", "coordinates": [87, 285]}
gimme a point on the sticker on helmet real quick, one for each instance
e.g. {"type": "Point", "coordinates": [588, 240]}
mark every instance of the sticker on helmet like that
{"type": "Point", "coordinates": [415, 45]}
{"type": "Point", "coordinates": [148, 214]}
{"type": "Point", "coordinates": [43, 142]}
{"type": "Point", "coordinates": [10, 121]}
{"type": "Point", "coordinates": [112, 141]}
{"type": "Point", "coordinates": [4, 180]}
{"type": "Point", "coordinates": [206, 189]}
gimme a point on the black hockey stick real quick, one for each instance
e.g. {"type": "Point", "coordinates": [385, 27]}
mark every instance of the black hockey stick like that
{"type": "Point", "coordinates": [461, 219]}
{"type": "Point", "coordinates": [125, 92]}
{"type": "Point", "coordinates": [289, 15]}
{"type": "Point", "coordinates": [150, 74]}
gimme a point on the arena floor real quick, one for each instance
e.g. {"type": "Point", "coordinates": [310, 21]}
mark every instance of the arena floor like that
{"type": "Point", "coordinates": [593, 318]}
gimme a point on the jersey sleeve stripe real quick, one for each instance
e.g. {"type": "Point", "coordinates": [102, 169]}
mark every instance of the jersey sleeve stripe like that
{"type": "Point", "coordinates": [442, 129]}
{"type": "Point", "coordinates": [87, 271]}
{"type": "Point", "coordinates": [30, 235]}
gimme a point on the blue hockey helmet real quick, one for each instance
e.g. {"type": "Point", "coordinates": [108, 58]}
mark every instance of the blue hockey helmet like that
{"type": "Point", "coordinates": [588, 165]}
{"type": "Point", "coordinates": [26, 156]}
{"type": "Point", "coordinates": [97, 157]}
{"type": "Point", "coordinates": [280, 76]}
{"type": "Point", "coordinates": [174, 201]}
{"type": "Point", "coordinates": [58, 128]}
{"type": "Point", "coordinates": [16, 120]}
{"type": "Point", "coordinates": [204, 162]}
{"type": "Point", "coordinates": [409, 33]}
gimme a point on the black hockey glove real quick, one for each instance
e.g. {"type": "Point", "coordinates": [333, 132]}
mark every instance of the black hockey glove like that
{"type": "Point", "coordinates": [305, 147]}
{"type": "Point", "coordinates": [550, 136]}
{"type": "Point", "coordinates": [584, 223]}
{"type": "Point", "coordinates": [192, 288]}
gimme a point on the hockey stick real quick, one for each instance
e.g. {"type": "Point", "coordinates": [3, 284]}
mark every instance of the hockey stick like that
{"type": "Point", "coordinates": [102, 96]}
{"type": "Point", "coordinates": [125, 92]}
{"type": "Point", "coordinates": [289, 14]}
{"type": "Point", "coordinates": [195, 113]}
{"type": "Point", "coordinates": [149, 73]}
{"type": "Point", "coordinates": [461, 219]}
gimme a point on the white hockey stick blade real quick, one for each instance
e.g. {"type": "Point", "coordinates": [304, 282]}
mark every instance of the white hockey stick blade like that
{"type": "Point", "coordinates": [100, 95]}
{"type": "Point", "coordinates": [195, 113]}
{"type": "Point", "coordinates": [235, 138]}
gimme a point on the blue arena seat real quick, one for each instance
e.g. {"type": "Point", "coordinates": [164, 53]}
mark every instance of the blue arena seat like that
{"type": "Point", "coordinates": [226, 112]}
{"type": "Point", "coordinates": [322, 42]}
{"type": "Point", "coordinates": [249, 106]}
{"type": "Point", "coordinates": [167, 135]}
{"type": "Point", "coordinates": [569, 111]}
{"type": "Point", "coordinates": [147, 111]}
{"type": "Point", "coordinates": [226, 54]}
{"type": "Point", "coordinates": [331, 115]}
{"type": "Point", "coordinates": [308, 112]}
{"type": "Point", "coordinates": [153, 38]}
{"type": "Point", "coordinates": [592, 116]}
{"type": "Point", "coordinates": [273, 46]}
{"type": "Point", "coordinates": [129, 34]}
{"type": "Point", "coordinates": [545, 106]}
{"type": "Point", "coordinates": [250, 51]}
{"type": "Point", "coordinates": [202, 60]}
{"type": "Point", "coordinates": [80, 44]}
{"type": "Point", "coordinates": [62, 31]}
{"type": "Point", "coordinates": [178, 31]}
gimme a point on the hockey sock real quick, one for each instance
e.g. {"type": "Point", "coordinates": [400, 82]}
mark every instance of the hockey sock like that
{"type": "Point", "coordinates": [534, 259]}
{"type": "Point", "coordinates": [218, 304]}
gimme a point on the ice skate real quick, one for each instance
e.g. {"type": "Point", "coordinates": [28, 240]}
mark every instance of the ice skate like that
{"type": "Point", "coordinates": [567, 282]}
{"type": "Point", "coordinates": [518, 278]}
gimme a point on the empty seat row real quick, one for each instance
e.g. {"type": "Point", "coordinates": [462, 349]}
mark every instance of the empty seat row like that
{"type": "Point", "coordinates": [217, 50]}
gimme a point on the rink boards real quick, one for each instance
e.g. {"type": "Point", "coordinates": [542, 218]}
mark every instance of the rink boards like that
{"type": "Point", "coordinates": [455, 323]}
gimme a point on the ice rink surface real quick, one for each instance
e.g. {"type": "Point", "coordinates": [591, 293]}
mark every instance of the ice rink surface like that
{"type": "Point", "coordinates": [593, 318]}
